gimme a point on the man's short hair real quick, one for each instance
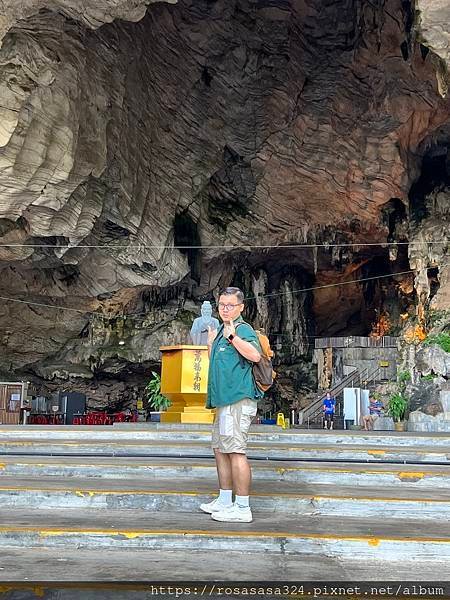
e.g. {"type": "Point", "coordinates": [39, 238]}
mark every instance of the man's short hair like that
{"type": "Point", "coordinates": [233, 291]}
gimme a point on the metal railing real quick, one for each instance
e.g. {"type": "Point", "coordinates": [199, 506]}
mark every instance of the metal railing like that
{"type": "Point", "coordinates": [313, 413]}
{"type": "Point", "coordinates": [356, 341]}
{"type": "Point", "coordinates": [315, 408]}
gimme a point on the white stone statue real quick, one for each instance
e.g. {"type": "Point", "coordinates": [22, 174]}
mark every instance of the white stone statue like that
{"type": "Point", "coordinates": [199, 329]}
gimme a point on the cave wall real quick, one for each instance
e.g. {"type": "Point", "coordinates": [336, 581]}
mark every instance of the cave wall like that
{"type": "Point", "coordinates": [433, 19]}
{"type": "Point", "coordinates": [91, 13]}
{"type": "Point", "coordinates": [235, 124]}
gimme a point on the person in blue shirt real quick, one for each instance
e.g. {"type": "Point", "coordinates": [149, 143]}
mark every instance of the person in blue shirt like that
{"type": "Point", "coordinates": [376, 409]}
{"type": "Point", "coordinates": [329, 407]}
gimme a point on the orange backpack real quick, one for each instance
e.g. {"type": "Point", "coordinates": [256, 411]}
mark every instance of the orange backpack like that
{"type": "Point", "coordinates": [263, 372]}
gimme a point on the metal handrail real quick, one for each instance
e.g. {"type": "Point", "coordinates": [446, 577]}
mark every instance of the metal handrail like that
{"type": "Point", "coordinates": [355, 378]}
{"type": "Point", "coordinates": [373, 376]}
{"type": "Point", "coordinates": [316, 405]}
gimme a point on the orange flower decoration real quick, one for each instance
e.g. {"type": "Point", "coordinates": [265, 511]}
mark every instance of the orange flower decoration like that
{"type": "Point", "coordinates": [415, 335]}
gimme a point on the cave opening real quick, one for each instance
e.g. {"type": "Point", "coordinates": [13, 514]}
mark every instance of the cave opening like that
{"type": "Point", "coordinates": [393, 213]}
{"type": "Point", "coordinates": [434, 175]}
{"type": "Point", "coordinates": [206, 76]}
{"type": "Point", "coordinates": [373, 292]}
{"type": "Point", "coordinates": [68, 274]}
{"type": "Point", "coordinates": [386, 298]}
{"type": "Point", "coordinates": [424, 51]}
{"type": "Point", "coordinates": [231, 189]}
{"type": "Point", "coordinates": [433, 279]}
{"type": "Point", "coordinates": [186, 234]}
{"type": "Point", "coordinates": [404, 50]}
{"type": "Point", "coordinates": [361, 308]}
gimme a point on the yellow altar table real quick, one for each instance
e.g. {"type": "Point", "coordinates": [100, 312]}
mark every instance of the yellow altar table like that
{"type": "Point", "coordinates": [184, 380]}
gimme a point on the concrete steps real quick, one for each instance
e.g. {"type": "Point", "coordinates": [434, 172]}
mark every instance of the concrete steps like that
{"type": "Point", "coordinates": [201, 449]}
{"type": "Point", "coordinates": [191, 433]}
{"type": "Point", "coordinates": [104, 565]}
{"type": "Point", "coordinates": [351, 474]}
{"type": "Point", "coordinates": [417, 455]}
{"type": "Point", "coordinates": [100, 497]}
{"type": "Point", "coordinates": [287, 534]}
{"type": "Point", "coordinates": [167, 441]}
{"type": "Point", "coordinates": [186, 495]}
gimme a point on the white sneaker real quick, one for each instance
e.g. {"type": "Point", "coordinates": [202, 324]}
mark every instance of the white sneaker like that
{"type": "Point", "coordinates": [210, 507]}
{"type": "Point", "coordinates": [233, 514]}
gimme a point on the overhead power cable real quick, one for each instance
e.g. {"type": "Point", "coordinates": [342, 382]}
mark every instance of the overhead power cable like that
{"type": "Point", "coordinates": [133, 315]}
{"type": "Point", "coordinates": [329, 285]}
{"type": "Point", "coordinates": [224, 246]}
{"type": "Point", "coordinates": [43, 304]}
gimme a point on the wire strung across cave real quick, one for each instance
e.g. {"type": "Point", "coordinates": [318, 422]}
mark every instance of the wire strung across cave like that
{"type": "Point", "coordinates": [227, 247]}
{"type": "Point", "coordinates": [261, 296]}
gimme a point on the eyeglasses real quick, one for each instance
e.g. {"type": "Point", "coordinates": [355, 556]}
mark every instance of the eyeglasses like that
{"type": "Point", "coordinates": [227, 306]}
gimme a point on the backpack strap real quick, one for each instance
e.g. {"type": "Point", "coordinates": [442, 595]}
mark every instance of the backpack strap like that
{"type": "Point", "coordinates": [244, 361]}
{"type": "Point", "coordinates": [244, 323]}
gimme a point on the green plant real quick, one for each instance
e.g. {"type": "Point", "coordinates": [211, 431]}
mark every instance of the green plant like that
{"type": "Point", "coordinates": [428, 377]}
{"type": "Point", "coordinates": [152, 393]}
{"type": "Point", "coordinates": [439, 339]}
{"type": "Point", "coordinates": [398, 404]}
{"type": "Point", "coordinates": [403, 376]}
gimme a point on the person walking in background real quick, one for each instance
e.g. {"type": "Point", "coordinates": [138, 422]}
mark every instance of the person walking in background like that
{"type": "Point", "coordinates": [329, 408]}
{"type": "Point", "coordinates": [232, 391]}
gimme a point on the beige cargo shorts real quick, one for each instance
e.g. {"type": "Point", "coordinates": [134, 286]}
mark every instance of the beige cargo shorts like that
{"type": "Point", "coordinates": [231, 425]}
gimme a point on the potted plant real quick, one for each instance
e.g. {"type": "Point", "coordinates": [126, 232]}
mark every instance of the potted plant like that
{"type": "Point", "coordinates": [398, 405]}
{"type": "Point", "coordinates": [152, 393]}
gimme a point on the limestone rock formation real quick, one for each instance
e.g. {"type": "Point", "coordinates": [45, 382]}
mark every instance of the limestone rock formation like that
{"type": "Point", "coordinates": [425, 396]}
{"type": "Point", "coordinates": [433, 360]}
{"type": "Point", "coordinates": [92, 13]}
{"type": "Point", "coordinates": [134, 133]}
{"type": "Point", "coordinates": [433, 21]}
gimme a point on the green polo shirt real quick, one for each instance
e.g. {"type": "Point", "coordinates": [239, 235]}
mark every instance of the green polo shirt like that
{"type": "Point", "coordinates": [230, 377]}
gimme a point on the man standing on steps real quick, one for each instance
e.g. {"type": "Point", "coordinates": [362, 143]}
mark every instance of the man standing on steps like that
{"type": "Point", "coordinates": [232, 391]}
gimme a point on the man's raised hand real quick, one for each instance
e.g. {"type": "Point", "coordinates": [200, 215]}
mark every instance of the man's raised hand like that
{"type": "Point", "coordinates": [229, 329]}
{"type": "Point", "coordinates": [211, 335]}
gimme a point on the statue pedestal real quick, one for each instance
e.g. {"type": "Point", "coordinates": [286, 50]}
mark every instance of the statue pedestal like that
{"type": "Point", "coordinates": [184, 380]}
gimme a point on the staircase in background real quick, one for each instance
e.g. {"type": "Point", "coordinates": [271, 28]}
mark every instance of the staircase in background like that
{"type": "Point", "coordinates": [312, 414]}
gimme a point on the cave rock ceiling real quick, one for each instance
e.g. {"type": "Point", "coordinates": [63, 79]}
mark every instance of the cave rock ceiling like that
{"type": "Point", "coordinates": [128, 127]}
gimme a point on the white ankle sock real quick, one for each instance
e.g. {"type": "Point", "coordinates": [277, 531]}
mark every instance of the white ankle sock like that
{"type": "Point", "coordinates": [242, 501]}
{"type": "Point", "coordinates": [226, 497]}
